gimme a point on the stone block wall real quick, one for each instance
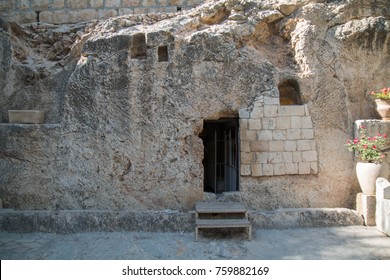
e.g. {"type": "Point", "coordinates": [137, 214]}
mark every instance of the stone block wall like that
{"type": "Point", "coordinates": [71, 11]}
{"type": "Point", "coordinates": [277, 140]}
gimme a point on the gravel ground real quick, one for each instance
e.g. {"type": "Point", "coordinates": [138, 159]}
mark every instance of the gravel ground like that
{"type": "Point", "coordinates": [334, 243]}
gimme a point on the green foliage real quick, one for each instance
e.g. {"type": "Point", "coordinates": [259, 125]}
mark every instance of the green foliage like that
{"type": "Point", "coordinates": [367, 148]}
{"type": "Point", "coordinates": [383, 94]}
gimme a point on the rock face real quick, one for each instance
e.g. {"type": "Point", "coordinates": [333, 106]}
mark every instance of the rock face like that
{"type": "Point", "coordinates": [126, 100]}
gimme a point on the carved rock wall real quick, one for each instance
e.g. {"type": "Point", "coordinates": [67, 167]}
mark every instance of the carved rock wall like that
{"type": "Point", "coordinates": [133, 96]}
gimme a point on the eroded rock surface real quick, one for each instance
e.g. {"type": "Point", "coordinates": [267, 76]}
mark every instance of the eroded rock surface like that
{"type": "Point", "coordinates": [125, 100]}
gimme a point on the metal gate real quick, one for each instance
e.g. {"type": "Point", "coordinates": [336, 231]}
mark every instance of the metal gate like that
{"type": "Point", "coordinates": [221, 160]}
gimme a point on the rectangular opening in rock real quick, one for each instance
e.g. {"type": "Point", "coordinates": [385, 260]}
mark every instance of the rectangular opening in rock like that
{"type": "Point", "coordinates": [221, 160]}
{"type": "Point", "coordinates": [163, 53]}
{"type": "Point", "coordinates": [138, 46]}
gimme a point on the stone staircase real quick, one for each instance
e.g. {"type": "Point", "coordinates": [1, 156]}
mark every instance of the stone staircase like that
{"type": "Point", "coordinates": [221, 215]}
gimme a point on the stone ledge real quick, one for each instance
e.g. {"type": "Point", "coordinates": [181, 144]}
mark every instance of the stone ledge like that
{"type": "Point", "coordinates": [14, 129]}
{"type": "Point", "coordinates": [26, 116]}
{"type": "Point", "coordinates": [305, 217]}
{"type": "Point", "coordinates": [70, 221]}
{"type": "Point", "coordinates": [23, 125]}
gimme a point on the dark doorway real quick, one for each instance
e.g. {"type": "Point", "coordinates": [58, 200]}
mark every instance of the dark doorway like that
{"type": "Point", "coordinates": [221, 155]}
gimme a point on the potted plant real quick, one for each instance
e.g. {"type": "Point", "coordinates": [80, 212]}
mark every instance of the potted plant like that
{"type": "Point", "coordinates": [382, 100]}
{"type": "Point", "coordinates": [368, 150]}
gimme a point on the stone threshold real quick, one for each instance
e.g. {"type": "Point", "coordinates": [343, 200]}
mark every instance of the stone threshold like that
{"type": "Point", "coordinates": [72, 221]}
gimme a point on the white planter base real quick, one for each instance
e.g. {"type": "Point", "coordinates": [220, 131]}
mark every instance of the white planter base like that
{"type": "Point", "coordinates": [367, 173]}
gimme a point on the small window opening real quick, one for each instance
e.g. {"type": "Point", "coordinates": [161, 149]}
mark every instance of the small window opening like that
{"type": "Point", "coordinates": [138, 46]}
{"type": "Point", "coordinates": [163, 53]}
{"type": "Point", "coordinates": [289, 93]}
{"type": "Point", "coordinates": [37, 15]}
{"type": "Point", "coordinates": [178, 9]}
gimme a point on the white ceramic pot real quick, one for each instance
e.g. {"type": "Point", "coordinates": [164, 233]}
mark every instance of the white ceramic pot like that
{"type": "Point", "coordinates": [367, 173]}
{"type": "Point", "coordinates": [383, 108]}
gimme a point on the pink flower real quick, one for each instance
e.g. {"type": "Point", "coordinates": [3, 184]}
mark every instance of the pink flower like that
{"type": "Point", "coordinates": [355, 141]}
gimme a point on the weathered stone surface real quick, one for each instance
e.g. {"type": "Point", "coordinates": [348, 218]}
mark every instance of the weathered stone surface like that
{"type": "Point", "coordinates": [291, 218]}
{"type": "Point", "coordinates": [382, 215]}
{"type": "Point", "coordinates": [366, 206]}
{"type": "Point", "coordinates": [36, 63]}
{"type": "Point", "coordinates": [128, 125]}
{"type": "Point", "coordinates": [104, 220]}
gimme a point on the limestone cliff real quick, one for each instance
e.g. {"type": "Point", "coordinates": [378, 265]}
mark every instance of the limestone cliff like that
{"type": "Point", "coordinates": [126, 99]}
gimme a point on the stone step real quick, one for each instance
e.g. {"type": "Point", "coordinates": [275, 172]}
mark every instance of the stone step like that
{"type": "Point", "coordinates": [219, 207]}
{"type": "Point", "coordinates": [227, 211]}
{"type": "Point", "coordinates": [222, 223]}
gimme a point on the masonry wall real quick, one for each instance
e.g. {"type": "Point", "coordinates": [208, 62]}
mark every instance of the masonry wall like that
{"type": "Point", "coordinates": [277, 140]}
{"type": "Point", "coordinates": [72, 11]}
